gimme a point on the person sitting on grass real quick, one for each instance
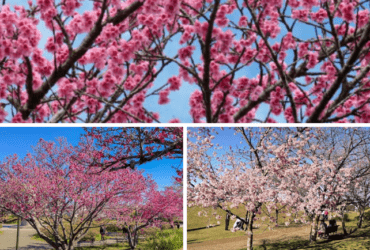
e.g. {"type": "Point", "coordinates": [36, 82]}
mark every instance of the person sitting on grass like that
{"type": "Point", "coordinates": [322, 229]}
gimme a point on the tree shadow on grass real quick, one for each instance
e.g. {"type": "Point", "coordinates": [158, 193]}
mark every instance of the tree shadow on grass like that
{"type": "Point", "coordinates": [200, 228]}
{"type": "Point", "coordinates": [298, 243]}
{"type": "Point", "coordinates": [32, 247]}
{"type": "Point", "coordinates": [294, 243]}
{"type": "Point", "coordinates": [193, 241]}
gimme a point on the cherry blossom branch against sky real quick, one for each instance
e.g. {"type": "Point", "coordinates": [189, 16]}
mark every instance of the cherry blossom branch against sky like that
{"type": "Point", "coordinates": [20, 141]}
{"type": "Point", "coordinates": [225, 61]}
{"type": "Point", "coordinates": [225, 139]}
{"type": "Point", "coordinates": [181, 108]}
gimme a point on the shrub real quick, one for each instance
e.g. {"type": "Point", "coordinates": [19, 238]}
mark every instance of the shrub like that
{"type": "Point", "coordinates": [150, 231]}
{"type": "Point", "coordinates": [113, 228]}
{"type": "Point", "coordinates": [90, 236]}
{"type": "Point", "coordinates": [166, 226]}
{"type": "Point", "coordinates": [346, 218]}
{"type": "Point", "coordinates": [167, 239]}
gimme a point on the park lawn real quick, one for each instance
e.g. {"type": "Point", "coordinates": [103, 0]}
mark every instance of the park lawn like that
{"type": "Point", "coordinates": [141, 244]}
{"type": "Point", "coordinates": [108, 247]}
{"type": "Point", "coordinates": [357, 240]}
{"type": "Point", "coordinates": [198, 222]}
{"type": "Point", "coordinates": [11, 219]}
{"type": "Point", "coordinates": [147, 244]}
{"type": "Point", "coordinates": [197, 231]}
{"type": "Point", "coordinates": [97, 237]}
{"type": "Point", "coordinates": [93, 232]}
{"type": "Point", "coordinates": [120, 246]}
{"type": "Point", "coordinates": [295, 236]}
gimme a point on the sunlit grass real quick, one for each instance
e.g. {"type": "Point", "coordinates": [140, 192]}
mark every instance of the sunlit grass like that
{"type": "Point", "coordinates": [295, 236]}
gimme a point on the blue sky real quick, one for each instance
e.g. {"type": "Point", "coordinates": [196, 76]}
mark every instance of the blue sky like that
{"type": "Point", "coordinates": [225, 138]}
{"type": "Point", "coordinates": [19, 141]}
{"type": "Point", "coordinates": [228, 138]}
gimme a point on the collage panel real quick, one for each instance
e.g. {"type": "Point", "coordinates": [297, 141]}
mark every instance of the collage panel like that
{"type": "Point", "coordinates": [278, 188]}
{"type": "Point", "coordinates": [78, 188]}
{"type": "Point", "coordinates": [184, 61]}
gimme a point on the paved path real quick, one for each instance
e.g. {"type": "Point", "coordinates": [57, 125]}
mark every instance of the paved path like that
{"type": "Point", "coordinates": [8, 238]}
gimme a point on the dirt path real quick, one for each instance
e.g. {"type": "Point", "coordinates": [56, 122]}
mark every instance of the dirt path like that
{"type": "Point", "coordinates": [8, 238]}
{"type": "Point", "coordinates": [240, 242]}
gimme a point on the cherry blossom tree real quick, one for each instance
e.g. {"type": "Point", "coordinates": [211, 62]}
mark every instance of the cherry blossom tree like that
{"type": "Point", "coordinates": [288, 167]}
{"type": "Point", "coordinates": [247, 60]}
{"type": "Point", "coordinates": [153, 210]}
{"type": "Point", "coordinates": [117, 148]}
{"type": "Point", "coordinates": [360, 197]}
{"type": "Point", "coordinates": [59, 197]}
{"type": "Point", "coordinates": [342, 149]}
{"type": "Point", "coordinates": [359, 193]}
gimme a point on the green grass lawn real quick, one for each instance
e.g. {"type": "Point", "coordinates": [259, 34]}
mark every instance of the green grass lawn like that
{"type": "Point", "coordinates": [295, 236]}
{"type": "Point", "coordinates": [360, 239]}
{"type": "Point", "coordinates": [108, 247]}
{"type": "Point", "coordinates": [11, 219]}
{"type": "Point", "coordinates": [197, 231]}
{"type": "Point", "coordinates": [169, 235]}
{"type": "Point", "coordinates": [143, 244]}
{"type": "Point", "coordinates": [97, 237]}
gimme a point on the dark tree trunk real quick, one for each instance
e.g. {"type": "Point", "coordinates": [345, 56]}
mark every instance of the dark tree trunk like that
{"type": "Point", "coordinates": [247, 219]}
{"type": "Point", "coordinates": [343, 223]}
{"type": "Point", "coordinates": [136, 237]}
{"type": "Point", "coordinates": [277, 216]}
{"type": "Point", "coordinates": [314, 226]}
{"type": "Point", "coordinates": [130, 237]}
{"type": "Point", "coordinates": [250, 231]}
{"type": "Point", "coordinates": [227, 221]}
{"type": "Point", "coordinates": [360, 218]}
{"type": "Point", "coordinates": [344, 227]}
{"type": "Point", "coordinates": [65, 246]}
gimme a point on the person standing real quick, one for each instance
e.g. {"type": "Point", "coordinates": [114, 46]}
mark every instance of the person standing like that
{"type": "Point", "coordinates": [227, 221]}
{"type": "Point", "coordinates": [103, 232]}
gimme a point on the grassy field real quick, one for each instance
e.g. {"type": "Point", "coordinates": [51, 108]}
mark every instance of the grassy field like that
{"type": "Point", "coordinates": [97, 237]}
{"type": "Point", "coordinates": [169, 235]}
{"type": "Point", "coordinates": [11, 219]}
{"type": "Point", "coordinates": [110, 247]}
{"type": "Point", "coordinates": [295, 236]}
